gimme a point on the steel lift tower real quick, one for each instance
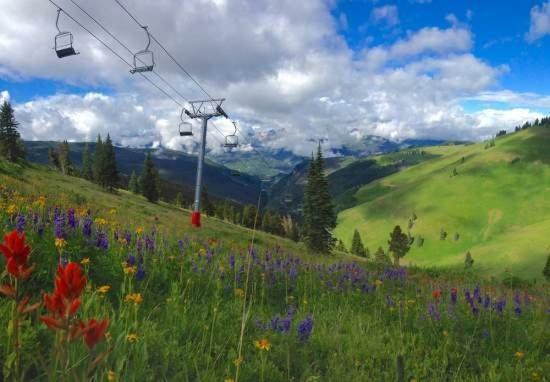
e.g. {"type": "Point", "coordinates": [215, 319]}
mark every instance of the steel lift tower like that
{"type": "Point", "coordinates": [203, 110]}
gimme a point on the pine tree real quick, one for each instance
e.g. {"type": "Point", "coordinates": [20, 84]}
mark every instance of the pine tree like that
{"type": "Point", "coordinates": [319, 215]}
{"type": "Point", "coordinates": [110, 171]}
{"type": "Point", "coordinates": [381, 257]}
{"type": "Point", "coordinates": [179, 200]}
{"type": "Point", "coordinates": [249, 216]}
{"type": "Point", "coordinates": [340, 246]}
{"type": "Point", "coordinates": [11, 145]}
{"type": "Point", "coordinates": [357, 247]}
{"type": "Point", "coordinates": [149, 180]}
{"type": "Point", "coordinates": [133, 183]}
{"type": "Point", "coordinates": [64, 158]}
{"type": "Point", "coordinates": [399, 244]}
{"type": "Point", "coordinates": [207, 205]}
{"type": "Point", "coordinates": [468, 261]}
{"type": "Point", "coordinates": [87, 164]}
{"type": "Point", "coordinates": [546, 270]}
{"type": "Point", "coordinates": [99, 160]}
{"type": "Point", "coordinates": [53, 158]}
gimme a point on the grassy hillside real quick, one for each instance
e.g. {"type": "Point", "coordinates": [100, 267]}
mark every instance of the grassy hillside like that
{"type": "Point", "coordinates": [496, 206]}
{"type": "Point", "coordinates": [174, 166]}
{"type": "Point", "coordinates": [142, 296]}
{"type": "Point", "coordinates": [134, 210]}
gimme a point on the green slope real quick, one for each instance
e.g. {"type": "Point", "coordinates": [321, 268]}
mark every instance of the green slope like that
{"type": "Point", "coordinates": [33, 180]}
{"type": "Point", "coordinates": [498, 203]}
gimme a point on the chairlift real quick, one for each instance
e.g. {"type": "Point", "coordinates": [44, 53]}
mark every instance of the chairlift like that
{"type": "Point", "coordinates": [63, 41]}
{"type": "Point", "coordinates": [235, 173]}
{"type": "Point", "coordinates": [185, 128]}
{"type": "Point", "coordinates": [231, 140]}
{"type": "Point", "coordinates": [144, 60]}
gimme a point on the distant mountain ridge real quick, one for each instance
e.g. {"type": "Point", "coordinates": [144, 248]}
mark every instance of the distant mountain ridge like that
{"type": "Point", "coordinates": [174, 166]}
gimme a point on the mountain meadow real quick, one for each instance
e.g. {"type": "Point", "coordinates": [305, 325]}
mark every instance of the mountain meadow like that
{"type": "Point", "coordinates": [104, 285]}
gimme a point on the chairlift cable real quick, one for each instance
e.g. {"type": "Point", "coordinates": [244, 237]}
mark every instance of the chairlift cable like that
{"type": "Point", "coordinates": [115, 53]}
{"type": "Point", "coordinates": [187, 73]}
{"type": "Point", "coordinates": [165, 51]}
{"type": "Point", "coordinates": [127, 49]}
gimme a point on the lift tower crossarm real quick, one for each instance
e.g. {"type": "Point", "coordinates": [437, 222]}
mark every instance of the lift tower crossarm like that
{"type": "Point", "coordinates": [203, 110]}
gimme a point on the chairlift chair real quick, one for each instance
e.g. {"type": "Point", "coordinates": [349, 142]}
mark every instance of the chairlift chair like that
{"type": "Point", "coordinates": [144, 61]}
{"type": "Point", "coordinates": [235, 173]}
{"type": "Point", "coordinates": [185, 128]}
{"type": "Point", "coordinates": [63, 41]}
{"type": "Point", "coordinates": [231, 140]}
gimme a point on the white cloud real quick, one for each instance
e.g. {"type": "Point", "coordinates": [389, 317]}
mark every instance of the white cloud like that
{"type": "Point", "coordinates": [388, 15]}
{"type": "Point", "coordinates": [540, 22]}
{"type": "Point", "coordinates": [4, 96]}
{"type": "Point", "coordinates": [288, 76]}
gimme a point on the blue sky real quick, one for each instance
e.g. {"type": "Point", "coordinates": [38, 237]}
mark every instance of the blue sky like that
{"type": "Point", "coordinates": [292, 71]}
{"type": "Point", "coordinates": [499, 28]}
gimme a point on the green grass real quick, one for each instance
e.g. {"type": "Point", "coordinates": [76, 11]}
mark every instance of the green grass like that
{"type": "Point", "coordinates": [499, 206]}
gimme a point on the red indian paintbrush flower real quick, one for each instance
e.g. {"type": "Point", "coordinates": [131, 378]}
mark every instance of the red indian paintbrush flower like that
{"type": "Point", "coordinates": [94, 331]}
{"type": "Point", "coordinates": [16, 253]}
{"type": "Point", "coordinates": [436, 294]}
{"type": "Point", "coordinates": [65, 299]}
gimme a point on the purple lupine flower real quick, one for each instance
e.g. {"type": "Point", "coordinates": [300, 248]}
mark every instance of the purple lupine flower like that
{"type": "Point", "coordinates": [71, 218]}
{"type": "Point", "coordinates": [20, 223]}
{"type": "Point", "coordinates": [305, 327]}
{"type": "Point", "coordinates": [434, 312]}
{"type": "Point", "coordinates": [128, 237]}
{"type": "Point", "coordinates": [87, 226]}
{"type": "Point", "coordinates": [517, 305]}
{"type": "Point", "coordinates": [140, 274]}
{"type": "Point", "coordinates": [149, 243]}
{"type": "Point", "coordinates": [477, 293]}
{"type": "Point", "coordinates": [293, 273]}
{"type": "Point", "coordinates": [59, 224]}
{"type": "Point", "coordinates": [40, 230]}
{"type": "Point", "coordinates": [232, 261]}
{"type": "Point", "coordinates": [102, 241]}
{"type": "Point", "coordinates": [500, 305]}
{"type": "Point", "coordinates": [486, 302]}
{"type": "Point", "coordinates": [131, 260]}
{"type": "Point", "coordinates": [454, 295]}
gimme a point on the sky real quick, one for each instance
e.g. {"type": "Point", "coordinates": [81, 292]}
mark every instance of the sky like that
{"type": "Point", "coordinates": [292, 71]}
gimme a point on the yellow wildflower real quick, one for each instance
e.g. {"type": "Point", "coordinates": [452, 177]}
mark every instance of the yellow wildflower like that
{"type": "Point", "coordinates": [445, 333]}
{"type": "Point", "coordinates": [229, 380]}
{"type": "Point", "coordinates": [100, 221]}
{"type": "Point", "coordinates": [111, 376]}
{"type": "Point", "coordinates": [519, 355]}
{"type": "Point", "coordinates": [123, 241]}
{"type": "Point", "coordinates": [238, 361]}
{"type": "Point", "coordinates": [139, 230]}
{"type": "Point", "coordinates": [60, 243]}
{"type": "Point", "coordinates": [378, 282]}
{"type": "Point", "coordinates": [132, 337]}
{"type": "Point", "coordinates": [263, 344]}
{"type": "Point", "coordinates": [535, 376]}
{"type": "Point", "coordinates": [104, 289]}
{"type": "Point", "coordinates": [112, 211]}
{"type": "Point", "coordinates": [129, 270]}
{"type": "Point", "coordinates": [85, 261]}
{"type": "Point", "coordinates": [411, 301]}
{"type": "Point", "coordinates": [12, 209]}
{"type": "Point", "coordinates": [239, 293]}
{"type": "Point", "coordinates": [41, 201]}
{"type": "Point", "coordinates": [136, 298]}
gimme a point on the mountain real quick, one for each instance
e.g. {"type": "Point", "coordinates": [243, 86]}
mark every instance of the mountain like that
{"type": "Point", "coordinates": [489, 200]}
{"type": "Point", "coordinates": [274, 162]}
{"type": "Point", "coordinates": [345, 176]}
{"type": "Point", "coordinates": [176, 168]}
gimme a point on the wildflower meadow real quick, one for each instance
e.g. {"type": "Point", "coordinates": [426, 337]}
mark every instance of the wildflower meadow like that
{"type": "Point", "coordinates": [90, 296]}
